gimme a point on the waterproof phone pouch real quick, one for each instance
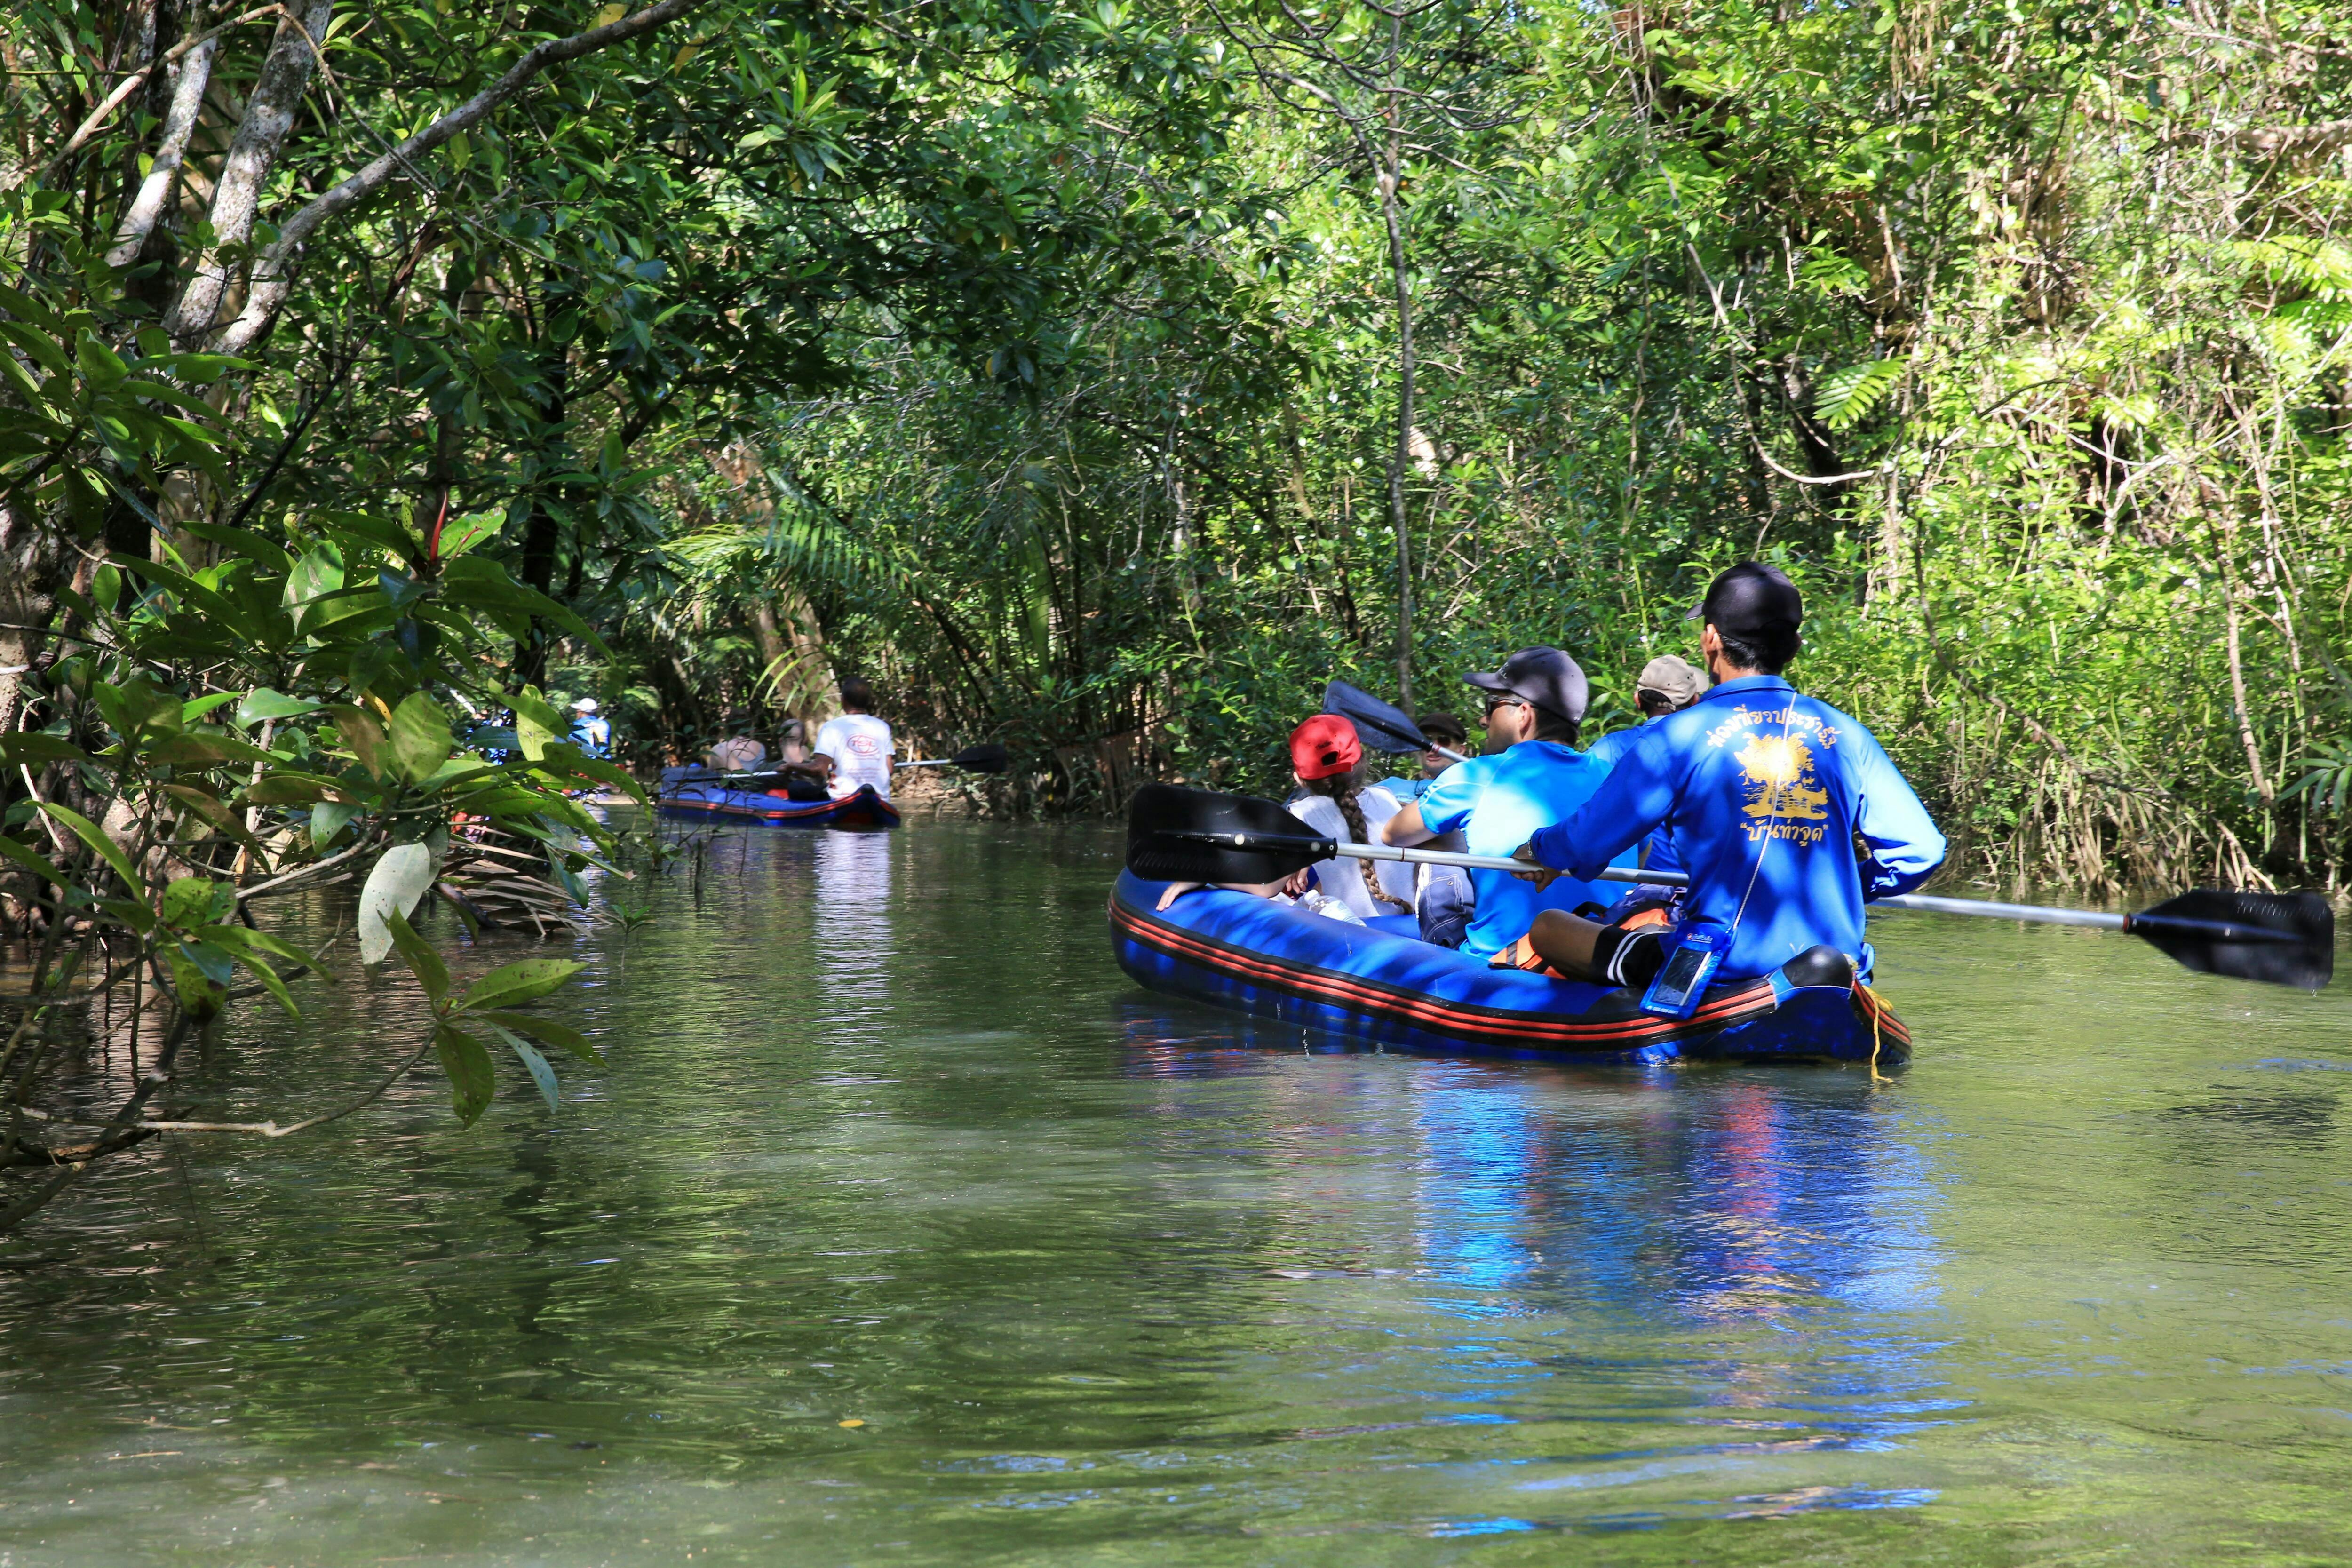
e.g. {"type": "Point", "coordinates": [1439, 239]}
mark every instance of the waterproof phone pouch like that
{"type": "Point", "coordinates": [1682, 980]}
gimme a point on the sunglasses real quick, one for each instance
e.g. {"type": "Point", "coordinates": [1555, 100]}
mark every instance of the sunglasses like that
{"type": "Point", "coordinates": [1504, 700]}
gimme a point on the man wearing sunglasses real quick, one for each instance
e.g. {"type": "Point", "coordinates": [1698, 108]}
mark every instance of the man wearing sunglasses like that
{"type": "Point", "coordinates": [1532, 777]}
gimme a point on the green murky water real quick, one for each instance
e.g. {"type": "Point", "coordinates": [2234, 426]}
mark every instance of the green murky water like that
{"type": "Point", "coordinates": [887, 1138]}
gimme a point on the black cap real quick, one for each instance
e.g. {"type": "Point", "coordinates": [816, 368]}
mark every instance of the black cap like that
{"type": "Point", "coordinates": [1542, 675]}
{"type": "Point", "coordinates": [1752, 602]}
{"type": "Point", "coordinates": [1440, 726]}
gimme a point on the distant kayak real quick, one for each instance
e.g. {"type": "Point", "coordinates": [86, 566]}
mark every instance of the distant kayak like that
{"type": "Point", "coordinates": [1367, 985]}
{"type": "Point", "coordinates": [777, 808]}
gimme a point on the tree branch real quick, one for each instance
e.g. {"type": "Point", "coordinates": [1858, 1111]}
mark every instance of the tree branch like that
{"type": "Point", "coordinates": [273, 278]}
{"type": "Point", "coordinates": [129, 84]}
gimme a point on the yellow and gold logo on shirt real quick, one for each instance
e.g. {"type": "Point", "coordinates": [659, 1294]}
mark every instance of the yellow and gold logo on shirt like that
{"type": "Point", "coordinates": [1785, 798]}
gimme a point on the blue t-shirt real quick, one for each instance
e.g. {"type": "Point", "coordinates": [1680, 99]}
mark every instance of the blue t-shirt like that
{"type": "Point", "coordinates": [1657, 852]}
{"type": "Point", "coordinates": [1764, 792]}
{"type": "Point", "coordinates": [591, 735]}
{"type": "Point", "coordinates": [1498, 803]}
{"type": "Point", "coordinates": [1407, 791]}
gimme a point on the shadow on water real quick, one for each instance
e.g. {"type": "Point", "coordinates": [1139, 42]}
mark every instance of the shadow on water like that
{"type": "Point", "coordinates": [902, 1227]}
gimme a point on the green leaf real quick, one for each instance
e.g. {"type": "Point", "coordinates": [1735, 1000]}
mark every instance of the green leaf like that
{"type": "Point", "coordinates": [420, 738]}
{"type": "Point", "coordinates": [213, 809]}
{"type": "Point", "coordinates": [134, 704]}
{"type": "Point", "coordinates": [248, 947]}
{"type": "Point", "coordinates": [563, 757]}
{"type": "Point", "coordinates": [290, 788]}
{"type": "Point", "coordinates": [363, 528]}
{"type": "Point", "coordinates": [89, 833]}
{"type": "Point", "coordinates": [546, 1031]}
{"type": "Point", "coordinates": [265, 704]}
{"type": "Point", "coordinates": [327, 818]}
{"type": "Point", "coordinates": [362, 733]}
{"type": "Point", "coordinates": [467, 1064]}
{"type": "Point", "coordinates": [392, 888]}
{"type": "Point", "coordinates": [130, 912]}
{"type": "Point", "coordinates": [197, 749]}
{"type": "Point", "coordinates": [537, 723]}
{"type": "Point", "coordinates": [198, 901]}
{"type": "Point", "coordinates": [1846, 396]}
{"type": "Point", "coordinates": [236, 540]}
{"type": "Point", "coordinates": [193, 711]}
{"type": "Point", "coordinates": [240, 938]}
{"type": "Point", "coordinates": [462, 533]}
{"type": "Point", "coordinates": [32, 746]}
{"type": "Point", "coordinates": [540, 1073]}
{"type": "Point", "coordinates": [33, 860]}
{"type": "Point", "coordinates": [418, 954]}
{"type": "Point", "coordinates": [200, 976]}
{"type": "Point", "coordinates": [525, 980]}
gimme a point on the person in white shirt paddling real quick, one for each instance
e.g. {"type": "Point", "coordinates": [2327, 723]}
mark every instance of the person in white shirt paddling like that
{"type": "Point", "coordinates": [855, 749]}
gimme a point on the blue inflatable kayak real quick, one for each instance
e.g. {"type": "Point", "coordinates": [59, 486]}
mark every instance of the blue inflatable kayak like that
{"type": "Point", "coordinates": [1279, 961]}
{"type": "Point", "coordinates": [863, 809]}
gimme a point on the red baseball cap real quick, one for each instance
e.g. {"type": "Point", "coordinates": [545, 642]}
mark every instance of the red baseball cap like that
{"type": "Point", "coordinates": [1323, 747]}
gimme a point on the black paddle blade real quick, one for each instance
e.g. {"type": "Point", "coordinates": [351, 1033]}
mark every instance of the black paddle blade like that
{"type": "Point", "coordinates": [1380, 727]}
{"type": "Point", "coordinates": [2280, 939]}
{"type": "Point", "coordinates": [1168, 829]}
{"type": "Point", "coordinates": [988, 757]}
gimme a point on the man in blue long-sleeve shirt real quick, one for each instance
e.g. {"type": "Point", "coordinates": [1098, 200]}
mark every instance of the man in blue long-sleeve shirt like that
{"type": "Point", "coordinates": [1788, 814]}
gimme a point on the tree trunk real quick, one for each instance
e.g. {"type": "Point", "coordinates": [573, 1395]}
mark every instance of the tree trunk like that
{"type": "Point", "coordinates": [192, 76]}
{"type": "Point", "coordinates": [270, 113]}
{"type": "Point", "coordinates": [1390, 175]}
{"type": "Point", "coordinates": [1814, 438]}
{"type": "Point", "coordinates": [1188, 587]}
{"type": "Point", "coordinates": [775, 668]}
{"type": "Point", "coordinates": [545, 529]}
{"type": "Point", "coordinates": [32, 565]}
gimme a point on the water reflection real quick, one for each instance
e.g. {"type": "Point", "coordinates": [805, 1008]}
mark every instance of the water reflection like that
{"type": "Point", "coordinates": [883, 1136]}
{"type": "Point", "coordinates": [851, 934]}
{"type": "Point", "coordinates": [1755, 1216]}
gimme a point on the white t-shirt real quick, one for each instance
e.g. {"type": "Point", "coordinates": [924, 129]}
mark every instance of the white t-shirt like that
{"type": "Point", "coordinates": [859, 745]}
{"type": "Point", "coordinates": [1343, 878]}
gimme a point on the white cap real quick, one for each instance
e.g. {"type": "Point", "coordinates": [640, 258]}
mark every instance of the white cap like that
{"type": "Point", "coordinates": [585, 705]}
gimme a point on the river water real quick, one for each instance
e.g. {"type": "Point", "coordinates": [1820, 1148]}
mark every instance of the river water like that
{"type": "Point", "coordinates": [902, 1227]}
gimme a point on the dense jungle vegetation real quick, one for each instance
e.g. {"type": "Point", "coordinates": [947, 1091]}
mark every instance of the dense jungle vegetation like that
{"type": "Point", "coordinates": [1103, 380]}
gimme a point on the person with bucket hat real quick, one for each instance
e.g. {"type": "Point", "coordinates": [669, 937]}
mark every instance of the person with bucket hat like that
{"type": "Point", "coordinates": [1788, 814]}
{"type": "Point", "coordinates": [1534, 776]}
{"type": "Point", "coordinates": [1667, 684]}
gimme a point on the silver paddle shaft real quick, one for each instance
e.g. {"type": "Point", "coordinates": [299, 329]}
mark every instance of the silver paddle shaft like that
{"type": "Point", "coordinates": [1922, 902]}
{"type": "Point", "coordinates": [1497, 863]}
{"type": "Point", "coordinates": [2040, 913]}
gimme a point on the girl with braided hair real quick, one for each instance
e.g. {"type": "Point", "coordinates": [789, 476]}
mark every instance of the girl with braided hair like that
{"type": "Point", "coordinates": [1328, 758]}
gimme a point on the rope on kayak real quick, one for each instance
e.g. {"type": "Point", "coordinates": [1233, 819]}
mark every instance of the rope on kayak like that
{"type": "Point", "coordinates": [1878, 1027]}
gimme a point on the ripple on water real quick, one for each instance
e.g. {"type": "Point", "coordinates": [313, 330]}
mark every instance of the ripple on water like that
{"type": "Point", "coordinates": [901, 1225]}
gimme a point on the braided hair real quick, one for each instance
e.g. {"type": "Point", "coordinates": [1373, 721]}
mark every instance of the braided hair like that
{"type": "Point", "coordinates": [1344, 789]}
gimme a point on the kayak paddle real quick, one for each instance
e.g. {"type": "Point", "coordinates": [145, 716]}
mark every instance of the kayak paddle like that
{"type": "Point", "coordinates": [1176, 835]}
{"type": "Point", "coordinates": [1195, 835]}
{"type": "Point", "coordinates": [988, 757]}
{"type": "Point", "coordinates": [1378, 725]}
{"type": "Point", "coordinates": [2280, 939]}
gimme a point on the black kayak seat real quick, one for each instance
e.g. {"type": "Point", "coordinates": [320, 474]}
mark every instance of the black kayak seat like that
{"type": "Point", "coordinates": [1820, 964]}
